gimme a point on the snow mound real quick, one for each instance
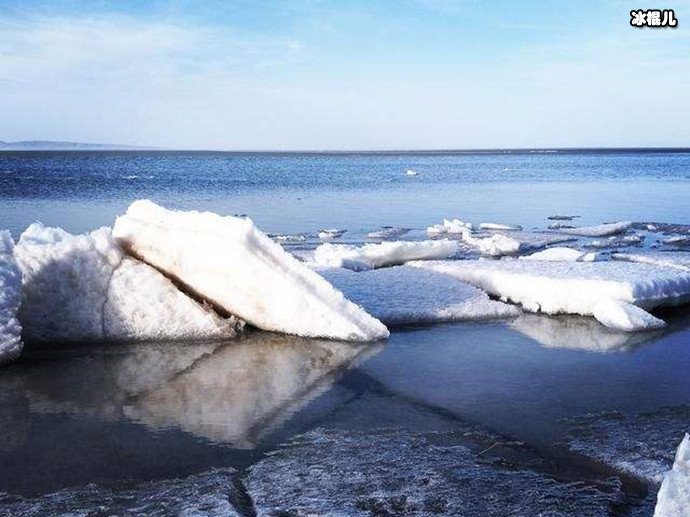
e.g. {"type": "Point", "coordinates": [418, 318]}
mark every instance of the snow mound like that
{"type": "Point", "coordinates": [372, 256]}
{"type": "Point", "coordinates": [83, 287]}
{"type": "Point", "coordinates": [601, 230]}
{"type": "Point", "coordinates": [241, 271]}
{"type": "Point", "coordinates": [499, 226]}
{"type": "Point", "coordinates": [557, 254]}
{"type": "Point", "coordinates": [10, 299]}
{"type": "Point", "coordinates": [404, 295]}
{"type": "Point", "coordinates": [673, 499]}
{"type": "Point", "coordinates": [673, 259]}
{"type": "Point", "coordinates": [574, 287]}
{"type": "Point", "coordinates": [624, 316]}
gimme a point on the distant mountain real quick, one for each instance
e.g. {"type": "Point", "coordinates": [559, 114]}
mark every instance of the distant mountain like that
{"type": "Point", "coordinates": [47, 145]}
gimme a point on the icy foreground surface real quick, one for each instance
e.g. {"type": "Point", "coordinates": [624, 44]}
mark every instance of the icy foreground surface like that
{"type": "Point", "coordinates": [10, 298]}
{"type": "Point", "coordinates": [83, 287]}
{"type": "Point", "coordinates": [673, 499]}
{"type": "Point", "coordinates": [241, 271]}
{"type": "Point", "coordinates": [211, 493]}
{"type": "Point", "coordinates": [604, 290]}
{"type": "Point", "coordinates": [639, 444]}
{"type": "Point", "coordinates": [392, 472]}
{"type": "Point", "coordinates": [372, 256]}
{"type": "Point", "coordinates": [404, 295]}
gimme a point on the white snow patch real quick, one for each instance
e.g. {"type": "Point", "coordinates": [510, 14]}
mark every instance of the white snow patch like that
{"type": "Point", "coordinates": [404, 295]}
{"type": "Point", "coordinates": [452, 226]}
{"type": "Point", "coordinates": [499, 226]}
{"type": "Point", "coordinates": [372, 256]}
{"type": "Point", "coordinates": [10, 299]}
{"type": "Point", "coordinates": [571, 287]}
{"type": "Point", "coordinates": [624, 316]}
{"type": "Point", "coordinates": [673, 499]}
{"type": "Point", "coordinates": [237, 268]}
{"type": "Point", "coordinates": [83, 287]}
{"type": "Point", "coordinates": [601, 230]}
{"type": "Point", "coordinates": [557, 254]}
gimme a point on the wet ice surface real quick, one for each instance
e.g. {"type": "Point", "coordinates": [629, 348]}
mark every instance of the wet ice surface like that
{"type": "Point", "coordinates": [641, 444]}
{"type": "Point", "coordinates": [210, 493]}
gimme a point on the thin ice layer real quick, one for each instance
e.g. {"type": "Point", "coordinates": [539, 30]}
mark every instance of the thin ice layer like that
{"type": "Point", "coordinates": [241, 271]}
{"type": "Point", "coordinates": [404, 295]}
{"type": "Point", "coordinates": [372, 256]}
{"type": "Point", "coordinates": [10, 299]}
{"type": "Point", "coordinates": [601, 230]}
{"type": "Point", "coordinates": [673, 499]}
{"type": "Point", "coordinates": [82, 287]}
{"type": "Point", "coordinates": [570, 287]}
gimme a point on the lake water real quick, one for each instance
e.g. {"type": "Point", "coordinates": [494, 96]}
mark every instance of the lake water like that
{"type": "Point", "coordinates": [73, 415]}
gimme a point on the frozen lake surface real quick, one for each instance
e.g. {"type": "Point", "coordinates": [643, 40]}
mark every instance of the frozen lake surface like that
{"type": "Point", "coordinates": [556, 415]}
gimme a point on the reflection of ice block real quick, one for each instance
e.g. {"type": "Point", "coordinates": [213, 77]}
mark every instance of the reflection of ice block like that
{"type": "Point", "coordinates": [241, 271]}
{"type": "Point", "coordinates": [576, 333]}
{"type": "Point", "coordinates": [10, 298]}
{"type": "Point", "coordinates": [673, 499]}
{"type": "Point", "coordinates": [79, 288]}
{"type": "Point", "coordinates": [605, 290]}
{"type": "Point", "coordinates": [404, 295]}
{"type": "Point", "coordinates": [246, 389]}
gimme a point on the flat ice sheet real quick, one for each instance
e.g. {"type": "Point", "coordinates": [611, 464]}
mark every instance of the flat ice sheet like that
{"type": "Point", "coordinates": [601, 230]}
{"type": "Point", "coordinates": [241, 271]}
{"type": "Point", "coordinates": [372, 256]}
{"type": "Point", "coordinates": [404, 295]}
{"type": "Point", "coordinates": [672, 259]}
{"type": "Point", "coordinates": [82, 287]}
{"type": "Point", "coordinates": [10, 299]}
{"type": "Point", "coordinates": [573, 287]}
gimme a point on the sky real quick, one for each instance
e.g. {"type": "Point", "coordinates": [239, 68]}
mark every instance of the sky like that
{"type": "Point", "coordinates": [343, 75]}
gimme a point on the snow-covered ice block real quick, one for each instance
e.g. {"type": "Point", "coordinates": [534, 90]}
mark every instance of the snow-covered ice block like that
{"type": "Point", "coordinates": [83, 287]}
{"type": "Point", "coordinates": [330, 234]}
{"type": "Point", "coordinates": [499, 244]}
{"type": "Point", "coordinates": [10, 299]}
{"type": "Point", "coordinates": [572, 287]}
{"type": "Point", "coordinates": [557, 254]}
{"type": "Point", "coordinates": [241, 271]}
{"type": "Point", "coordinates": [500, 226]}
{"type": "Point", "coordinates": [624, 316]}
{"type": "Point", "coordinates": [673, 259]}
{"type": "Point", "coordinates": [452, 226]}
{"type": "Point", "coordinates": [371, 256]}
{"type": "Point", "coordinates": [673, 499]}
{"type": "Point", "coordinates": [601, 230]}
{"type": "Point", "coordinates": [404, 295]}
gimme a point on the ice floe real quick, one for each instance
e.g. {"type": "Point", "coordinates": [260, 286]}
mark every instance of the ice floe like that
{"type": "Point", "coordinates": [83, 287]}
{"type": "Point", "coordinates": [372, 256]}
{"type": "Point", "coordinates": [673, 259]}
{"type": "Point", "coordinates": [209, 493]}
{"type": "Point", "coordinates": [601, 230]}
{"type": "Point", "coordinates": [673, 499]}
{"type": "Point", "coordinates": [556, 254]}
{"type": "Point", "coordinates": [330, 234]}
{"type": "Point", "coordinates": [387, 232]}
{"type": "Point", "coordinates": [405, 295]}
{"type": "Point", "coordinates": [452, 226]}
{"type": "Point", "coordinates": [10, 299]}
{"type": "Point", "coordinates": [515, 242]}
{"type": "Point", "coordinates": [562, 217]}
{"type": "Point", "coordinates": [575, 287]}
{"type": "Point", "coordinates": [239, 270]}
{"type": "Point", "coordinates": [617, 241]}
{"type": "Point", "coordinates": [393, 472]}
{"type": "Point", "coordinates": [500, 226]}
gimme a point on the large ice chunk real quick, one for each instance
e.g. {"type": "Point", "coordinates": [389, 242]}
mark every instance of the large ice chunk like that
{"type": "Point", "coordinates": [624, 316]}
{"type": "Point", "coordinates": [601, 230]}
{"type": "Point", "coordinates": [83, 287]}
{"type": "Point", "coordinates": [557, 254]}
{"type": "Point", "coordinates": [673, 499]}
{"type": "Point", "coordinates": [404, 295]}
{"type": "Point", "coordinates": [371, 256]}
{"type": "Point", "coordinates": [513, 243]}
{"type": "Point", "coordinates": [574, 287]}
{"type": "Point", "coordinates": [241, 271]}
{"type": "Point", "coordinates": [10, 298]}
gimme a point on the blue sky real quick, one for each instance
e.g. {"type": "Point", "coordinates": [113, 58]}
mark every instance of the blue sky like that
{"type": "Point", "coordinates": [309, 74]}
